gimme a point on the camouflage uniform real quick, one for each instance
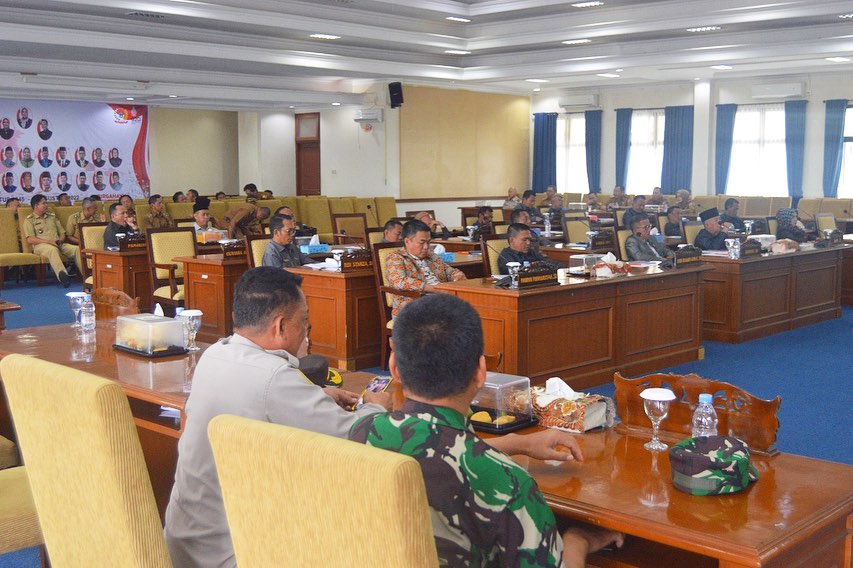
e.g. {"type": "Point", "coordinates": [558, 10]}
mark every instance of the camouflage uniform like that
{"type": "Point", "coordinates": [48, 227]}
{"type": "Point", "coordinates": [486, 510]}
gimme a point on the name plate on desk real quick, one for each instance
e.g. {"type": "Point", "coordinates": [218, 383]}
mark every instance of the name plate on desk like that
{"type": "Point", "coordinates": [359, 259]}
{"type": "Point", "coordinates": [687, 256]}
{"type": "Point", "coordinates": [749, 248]}
{"type": "Point", "coordinates": [603, 239]}
{"type": "Point", "coordinates": [134, 241]}
{"type": "Point", "coordinates": [232, 248]}
{"type": "Point", "coordinates": [836, 237]}
{"type": "Point", "coordinates": [536, 275]}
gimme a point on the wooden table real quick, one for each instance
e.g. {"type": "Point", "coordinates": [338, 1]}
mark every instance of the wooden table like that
{"type": "Point", "coordinates": [209, 282]}
{"type": "Point", "coordinates": [6, 307]}
{"type": "Point", "coordinates": [759, 296]}
{"type": "Point", "coordinates": [587, 329]}
{"type": "Point", "coordinates": [565, 252]}
{"type": "Point", "coordinates": [127, 271]}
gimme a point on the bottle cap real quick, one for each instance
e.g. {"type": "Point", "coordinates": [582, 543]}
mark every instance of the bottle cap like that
{"type": "Point", "coordinates": [705, 398]}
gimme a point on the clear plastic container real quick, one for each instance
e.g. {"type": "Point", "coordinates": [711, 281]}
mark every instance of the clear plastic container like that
{"type": "Point", "coordinates": [148, 333]}
{"type": "Point", "coordinates": [506, 400]}
{"type": "Point", "coordinates": [581, 264]}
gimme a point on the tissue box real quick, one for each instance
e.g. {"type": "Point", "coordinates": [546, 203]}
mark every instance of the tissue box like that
{"type": "Point", "coordinates": [503, 404]}
{"type": "Point", "coordinates": [557, 406]}
{"type": "Point", "coordinates": [312, 249]}
{"type": "Point", "coordinates": [148, 334]}
{"type": "Point", "coordinates": [447, 257]}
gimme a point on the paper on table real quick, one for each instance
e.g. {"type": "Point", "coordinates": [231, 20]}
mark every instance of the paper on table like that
{"type": "Point", "coordinates": [315, 240]}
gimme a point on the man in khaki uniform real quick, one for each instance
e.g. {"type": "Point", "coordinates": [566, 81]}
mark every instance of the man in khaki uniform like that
{"type": "Point", "coordinates": [47, 237]}
{"type": "Point", "coordinates": [243, 220]}
{"type": "Point", "coordinates": [87, 214]}
{"type": "Point", "coordinates": [157, 216]}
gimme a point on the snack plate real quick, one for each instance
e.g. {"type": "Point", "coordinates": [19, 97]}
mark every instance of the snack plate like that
{"type": "Point", "coordinates": [170, 352]}
{"type": "Point", "coordinates": [519, 424]}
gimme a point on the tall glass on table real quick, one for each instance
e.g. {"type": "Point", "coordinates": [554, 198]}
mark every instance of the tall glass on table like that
{"type": "Point", "coordinates": [76, 301]}
{"type": "Point", "coordinates": [192, 321]}
{"type": "Point", "coordinates": [656, 404]}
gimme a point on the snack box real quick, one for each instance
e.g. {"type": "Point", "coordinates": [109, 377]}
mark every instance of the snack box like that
{"type": "Point", "coordinates": [150, 335]}
{"type": "Point", "coordinates": [503, 404]}
{"type": "Point", "coordinates": [581, 264]}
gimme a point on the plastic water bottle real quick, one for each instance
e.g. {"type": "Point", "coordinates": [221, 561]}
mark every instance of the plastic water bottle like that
{"type": "Point", "coordinates": [547, 217]}
{"type": "Point", "coordinates": [87, 315]}
{"type": "Point", "coordinates": [705, 417]}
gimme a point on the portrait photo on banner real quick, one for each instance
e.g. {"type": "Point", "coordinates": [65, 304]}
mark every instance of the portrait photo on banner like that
{"type": "Point", "coordinates": [82, 149]}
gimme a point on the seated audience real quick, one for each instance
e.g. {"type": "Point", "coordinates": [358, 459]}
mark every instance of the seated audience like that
{"type": "Point", "coordinates": [556, 211]}
{"type": "Point", "coordinates": [657, 198]}
{"type": "Point", "coordinates": [486, 510]}
{"type": "Point", "coordinates": [483, 225]}
{"type": "Point", "coordinates": [192, 195]}
{"type": "Point", "coordinates": [157, 216]}
{"type": "Point", "coordinates": [550, 192]}
{"type": "Point", "coordinates": [127, 201]}
{"type": "Point", "coordinates": [521, 216]}
{"type": "Point", "coordinates": [712, 237]}
{"type": "Point", "coordinates": [13, 203]}
{"type": "Point", "coordinates": [88, 214]}
{"type": "Point", "coordinates": [438, 230]}
{"type": "Point", "coordinates": [729, 216]}
{"type": "Point", "coordinates": [392, 232]}
{"type": "Point", "coordinates": [251, 191]}
{"type": "Point", "coordinates": [243, 220]}
{"type": "Point", "coordinates": [512, 199]}
{"type": "Point", "coordinates": [638, 207]}
{"type": "Point", "coordinates": [119, 224]}
{"type": "Point", "coordinates": [528, 204]}
{"type": "Point", "coordinates": [201, 214]}
{"type": "Point", "coordinates": [641, 245]}
{"type": "Point", "coordinates": [415, 268]}
{"type": "Point", "coordinates": [179, 197]}
{"type": "Point", "coordinates": [683, 200]}
{"type": "Point", "coordinates": [619, 199]}
{"type": "Point", "coordinates": [220, 196]}
{"type": "Point", "coordinates": [45, 234]}
{"type": "Point", "coordinates": [593, 200]}
{"type": "Point", "coordinates": [519, 238]}
{"type": "Point", "coordinates": [789, 226]}
{"type": "Point", "coordinates": [255, 374]}
{"type": "Point", "coordinates": [63, 200]}
{"type": "Point", "coordinates": [282, 251]}
{"type": "Point", "coordinates": [673, 222]}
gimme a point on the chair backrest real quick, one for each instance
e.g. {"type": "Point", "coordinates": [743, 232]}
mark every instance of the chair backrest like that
{"type": "Point", "coordinates": [380, 261]}
{"type": "Point", "coordinates": [807, 207]}
{"type": "Point", "coordinates": [622, 236]}
{"type": "Point", "coordinates": [185, 222]}
{"type": "Point", "coordinates": [575, 229]}
{"type": "Point", "coordinates": [340, 205]}
{"type": "Point", "coordinates": [179, 210]}
{"type": "Point", "coordinates": [690, 229]}
{"type": "Point", "coordinates": [500, 228]}
{"type": "Point", "coordinates": [840, 208]}
{"type": "Point", "coordinates": [88, 476]}
{"type": "Point", "coordinates": [619, 215]}
{"type": "Point", "coordinates": [702, 202]}
{"type": "Point", "coordinates": [315, 213]}
{"type": "Point", "coordinates": [271, 472]}
{"type": "Point", "coordinates": [386, 209]}
{"type": "Point", "coordinates": [349, 228]}
{"type": "Point", "coordinates": [63, 213]}
{"type": "Point", "coordinates": [375, 235]}
{"type": "Point", "coordinates": [777, 203]}
{"type": "Point", "coordinates": [772, 225]}
{"type": "Point", "coordinates": [8, 233]}
{"type": "Point", "coordinates": [492, 247]}
{"type": "Point", "coordinates": [23, 213]}
{"type": "Point", "coordinates": [255, 247]}
{"type": "Point", "coordinates": [166, 244]}
{"type": "Point", "coordinates": [825, 221]}
{"type": "Point", "coordinates": [757, 207]}
{"type": "Point", "coordinates": [739, 413]}
{"type": "Point", "coordinates": [91, 236]}
{"type": "Point", "coordinates": [111, 303]}
{"type": "Point", "coordinates": [367, 205]}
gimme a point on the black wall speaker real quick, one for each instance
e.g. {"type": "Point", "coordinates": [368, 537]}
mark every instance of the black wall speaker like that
{"type": "Point", "coordinates": [395, 92]}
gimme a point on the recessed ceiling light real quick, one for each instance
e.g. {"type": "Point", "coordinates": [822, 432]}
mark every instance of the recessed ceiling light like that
{"type": "Point", "coordinates": [536, 90]}
{"type": "Point", "coordinates": [706, 47]}
{"type": "Point", "coordinates": [721, 67]}
{"type": "Point", "coordinates": [704, 29]}
{"type": "Point", "coordinates": [846, 16]}
{"type": "Point", "coordinates": [129, 99]}
{"type": "Point", "coordinates": [291, 106]}
{"type": "Point", "coordinates": [536, 80]}
{"type": "Point", "coordinates": [457, 19]}
{"type": "Point", "coordinates": [576, 41]}
{"type": "Point", "coordinates": [336, 104]}
{"type": "Point", "coordinates": [838, 59]}
{"type": "Point", "coordinates": [173, 96]}
{"type": "Point", "coordinates": [608, 75]}
{"type": "Point", "coordinates": [619, 70]}
{"type": "Point", "coordinates": [697, 78]}
{"type": "Point", "coordinates": [456, 52]}
{"type": "Point", "coordinates": [587, 4]}
{"type": "Point", "coordinates": [324, 36]}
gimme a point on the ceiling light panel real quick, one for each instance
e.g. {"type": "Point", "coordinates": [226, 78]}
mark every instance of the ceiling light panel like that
{"type": "Point", "coordinates": [704, 29]}
{"type": "Point", "coordinates": [324, 36]}
{"type": "Point", "coordinates": [576, 41]}
{"type": "Point", "coordinates": [721, 67]}
{"type": "Point", "coordinates": [587, 4]}
{"type": "Point", "coordinates": [838, 59]}
{"type": "Point", "coordinates": [458, 19]}
{"type": "Point", "coordinates": [536, 80]}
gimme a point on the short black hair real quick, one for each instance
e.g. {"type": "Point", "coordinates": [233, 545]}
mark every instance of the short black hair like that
{"type": "Point", "coordinates": [671, 209]}
{"type": "Point", "coordinates": [528, 193]}
{"type": "Point", "coordinates": [177, 195]}
{"type": "Point", "coordinates": [513, 230]}
{"type": "Point", "coordinates": [637, 219]}
{"type": "Point", "coordinates": [438, 342]}
{"type": "Point", "coordinates": [61, 195]}
{"type": "Point", "coordinates": [278, 211]}
{"type": "Point", "coordinates": [154, 198]}
{"type": "Point", "coordinates": [120, 197]}
{"type": "Point", "coordinates": [95, 197]}
{"type": "Point", "coordinates": [729, 202]}
{"type": "Point", "coordinates": [413, 227]}
{"type": "Point", "coordinates": [113, 207]}
{"type": "Point", "coordinates": [194, 192]}
{"type": "Point", "coordinates": [265, 212]}
{"type": "Point", "coordinates": [484, 209]}
{"type": "Point", "coordinates": [11, 199]}
{"type": "Point", "coordinates": [277, 222]}
{"type": "Point", "coordinates": [218, 193]}
{"type": "Point", "coordinates": [36, 199]}
{"type": "Point", "coordinates": [639, 197]}
{"type": "Point", "coordinates": [250, 187]}
{"type": "Point", "coordinates": [263, 293]}
{"type": "Point", "coordinates": [513, 218]}
{"type": "Point", "coordinates": [391, 224]}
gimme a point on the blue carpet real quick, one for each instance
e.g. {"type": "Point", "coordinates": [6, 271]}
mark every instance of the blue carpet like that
{"type": "Point", "coordinates": [40, 305]}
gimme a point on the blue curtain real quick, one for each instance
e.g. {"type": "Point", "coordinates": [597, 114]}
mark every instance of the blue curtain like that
{"type": "Point", "coordinates": [593, 148]}
{"type": "Point", "coordinates": [795, 145]}
{"type": "Point", "coordinates": [723, 153]}
{"type": "Point", "coordinates": [623, 143]}
{"type": "Point", "coordinates": [833, 144]}
{"type": "Point", "coordinates": [677, 171]}
{"type": "Point", "coordinates": [544, 150]}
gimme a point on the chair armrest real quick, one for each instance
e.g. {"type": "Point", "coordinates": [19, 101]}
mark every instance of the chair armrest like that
{"type": "Point", "coordinates": [398, 292]}
{"type": "Point", "coordinates": [173, 285]}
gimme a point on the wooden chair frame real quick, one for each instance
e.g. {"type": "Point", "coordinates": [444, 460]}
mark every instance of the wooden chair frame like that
{"type": "Point", "coordinates": [172, 281]}
{"type": "Point", "coordinates": [250, 255]}
{"type": "Point", "coordinates": [111, 303]}
{"type": "Point", "coordinates": [684, 227]}
{"type": "Point", "coordinates": [341, 236]}
{"type": "Point", "coordinates": [384, 308]}
{"type": "Point", "coordinates": [84, 258]}
{"type": "Point", "coordinates": [487, 250]}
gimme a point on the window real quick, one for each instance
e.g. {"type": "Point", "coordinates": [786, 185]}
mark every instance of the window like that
{"type": "Point", "coordinates": [758, 165]}
{"type": "Point", "coordinates": [645, 160]}
{"type": "Point", "coordinates": [571, 154]}
{"type": "Point", "coordinates": [845, 183]}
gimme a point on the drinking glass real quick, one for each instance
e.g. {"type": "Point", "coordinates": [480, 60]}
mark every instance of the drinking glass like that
{"type": "Point", "coordinates": [192, 319]}
{"type": "Point", "coordinates": [76, 301]}
{"type": "Point", "coordinates": [656, 404]}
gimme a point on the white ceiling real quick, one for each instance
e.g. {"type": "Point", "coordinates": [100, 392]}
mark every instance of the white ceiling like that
{"type": "Point", "coordinates": [257, 54]}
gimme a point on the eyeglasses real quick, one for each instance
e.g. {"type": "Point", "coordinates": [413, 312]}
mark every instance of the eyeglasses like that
{"type": "Point", "coordinates": [290, 231]}
{"type": "Point", "coordinates": [644, 227]}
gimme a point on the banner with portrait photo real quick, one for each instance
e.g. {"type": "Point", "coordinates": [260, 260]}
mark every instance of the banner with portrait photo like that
{"type": "Point", "coordinates": [82, 149]}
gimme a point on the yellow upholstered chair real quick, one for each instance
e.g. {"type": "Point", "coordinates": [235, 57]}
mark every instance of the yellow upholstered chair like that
{"type": "Point", "coordinates": [825, 221]}
{"type": "Point", "coordinates": [375, 235]}
{"type": "Point", "coordinates": [384, 298]}
{"type": "Point", "coordinates": [219, 208]}
{"type": "Point", "coordinates": [690, 229]}
{"type": "Point", "coordinates": [282, 492]}
{"type": "Point", "coordinates": [807, 207]}
{"type": "Point", "coordinates": [575, 229]}
{"type": "Point", "coordinates": [492, 247]}
{"type": "Point", "coordinates": [500, 227]}
{"type": "Point", "coordinates": [366, 205]}
{"type": "Point", "coordinates": [291, 201]}
{"type": "Point", "coordinates": [386, 209]}
{"type": "Point", "coordinates": [10, 253]}
{"type": "Point", "coordinates": [314, 212]}
{"type": "Point", "coordinates": [91, 236]}
{"type": "Point", "coordinates": [756, 207]}
{"type": "Point", "coordinates": [187, 222]}
{"type": "Point", "coordinates": [167, 277]}
{"type": "Point", "coordinates": [179, 210]}
{"type": "Point", "coordinates": [255, 247]}
{"type": "Point", "coordinates": [19, 523]}
{"type": "Point", "coordinates": [772, 225]}
{"type": "Point", "coordinates": [349, 228]}
{"type": "Point", "coordinates": [619, 214]}
{"type": "Point", "coordinates": [702, 202]}
{"type": "Point", "coordinates": [777, 203]}
{"type": "Point", "coordinates": [622, 237]}
{"type": "Point", "coordinates": [142, 210]}
{"type": "Point", "coordinates": [341, 205]}
{"type": "Point", "coordinates": [8, 453]}
{"type": "Point", "coordinates": [63, 213]}
{"type": "Point", "coordinates": [839, 208]}
{"type": "Point", "coordinates": [85, 466]}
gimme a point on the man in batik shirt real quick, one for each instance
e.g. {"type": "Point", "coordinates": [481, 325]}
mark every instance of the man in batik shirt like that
{"type": "Point", "coordinates": [485, 509]}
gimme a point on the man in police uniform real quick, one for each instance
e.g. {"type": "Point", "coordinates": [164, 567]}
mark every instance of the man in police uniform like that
{"type": "Point", "coordinates": [87, 214]}
{"type": "Point", "coordinates": [47, 237]}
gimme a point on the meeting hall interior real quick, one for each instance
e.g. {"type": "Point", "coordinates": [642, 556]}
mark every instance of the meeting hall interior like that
{"type": "Point", "coordinates": [678, 172]}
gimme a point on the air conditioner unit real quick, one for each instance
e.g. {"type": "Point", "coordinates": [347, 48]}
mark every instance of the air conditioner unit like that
{"type": "Point", "coordinates": [368, 115]}
{"type": "Point", "coordinates": [778, 91]}
{"type": "Point", "coordinates": [578, 101]}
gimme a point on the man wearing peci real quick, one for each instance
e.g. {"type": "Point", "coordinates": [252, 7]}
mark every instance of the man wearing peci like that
{"type": "Point", "coordinates": [44, 157]}
{"type": "Point", "coordinates": [9, 182]}
{"type": "Point", "coordinates": [712, 236]}
{"type": "Point", "coordinates": [519, 238]}
{"type": "Point", "coordinates": [62, 157]}
{"type": "Point", "coordinates": [201, 215]}
{"type": "Point", "coordinates": [640, 245]}
{"type": "Point", "coordinates": [282, 251]}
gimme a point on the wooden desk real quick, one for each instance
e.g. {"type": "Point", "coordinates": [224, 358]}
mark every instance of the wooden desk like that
{"type": "Point", "coordinates": [759, 296]}
{"type": "Point", "coordinates": [126, 271]}
{"type": "Point", "coordinates": [6, 307]}
{"type": "Point", "coordinates": [148, 384]}
{"type": "Point", "coordinates": [562, 254]}
{"type": "Point", "coordinates": [457, 244]}
{"type": "Point", "coordinates": [586, 330]}
{"type": "Point", "coordinates": [209, 282]}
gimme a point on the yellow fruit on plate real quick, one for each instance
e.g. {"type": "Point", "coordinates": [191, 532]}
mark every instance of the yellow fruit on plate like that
{"type": "Point", "coordinates": [505, 419]}
{"type": "Point", "coordinates": [481, 416]}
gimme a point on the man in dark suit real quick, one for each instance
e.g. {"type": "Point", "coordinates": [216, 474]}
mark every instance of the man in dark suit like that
{"type": "Point", "coordinates": [80, 157]}
{"type": "Point", "coordinates": [44, 130]}
{"type": "Point", "coordinates": [9, 183]}
{"type": "Point", "coordinates": [62, 182]}
{"type": "Point", "coordinates": [81, 181]}
{"type": "Point", "coordinates": [62, 157]}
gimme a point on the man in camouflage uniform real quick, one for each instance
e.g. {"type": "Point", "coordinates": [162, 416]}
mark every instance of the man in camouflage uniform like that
{"type": "Point", "coordinates": [485, 509]}
{"type": "Point", "coordinates": [157, 217]}
{"type": "Point", "coordinates": [88, 214]}
{"type": "Point", "coordinates": [243, 220]}
{"type": "Point", "coordinates": [45, 234]}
